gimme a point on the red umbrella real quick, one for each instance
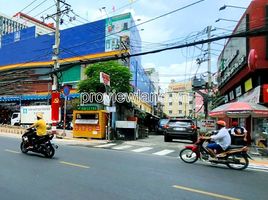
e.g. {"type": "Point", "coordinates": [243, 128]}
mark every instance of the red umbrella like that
{"type": "Point", "coordinates": [240, 109]}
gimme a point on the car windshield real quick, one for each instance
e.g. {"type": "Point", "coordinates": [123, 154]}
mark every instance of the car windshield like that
{"type": "Point", "coordinates": [163, 121]}
{"type": "Point", "coordinates": [180, 123]}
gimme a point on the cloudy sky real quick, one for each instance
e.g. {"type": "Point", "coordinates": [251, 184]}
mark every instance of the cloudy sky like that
{"type": "Point", "coordinates": [186, 24]}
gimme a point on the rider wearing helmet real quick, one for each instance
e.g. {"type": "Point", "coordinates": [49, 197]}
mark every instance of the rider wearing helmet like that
{"type": "Point", "coordinates": [40, 125]}
{"type": "Point", "coordinates": [222, 140]}
{"type": "Point", "coordinates": [41, 129]}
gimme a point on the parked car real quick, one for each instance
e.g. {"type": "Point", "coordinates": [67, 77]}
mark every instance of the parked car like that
{"type": "Point", "coordinates": [180, 129]}
{"type": "Point", "coordinates": [161, 125]}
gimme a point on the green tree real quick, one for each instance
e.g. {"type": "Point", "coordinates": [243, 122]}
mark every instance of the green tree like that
{"type": "Point", "coordinates": [120, 77]}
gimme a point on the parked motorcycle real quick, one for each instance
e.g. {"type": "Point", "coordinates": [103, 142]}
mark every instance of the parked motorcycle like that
{"type": "Point", "coordinates": [30, 142]}
{"type": "Point", "coordinates": [235, 157]}
{"type": "Point", "coordinates": [68, 125]}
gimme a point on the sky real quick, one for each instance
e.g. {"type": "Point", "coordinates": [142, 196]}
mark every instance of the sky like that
{"type": "Point", "coordinates": [184, 25]}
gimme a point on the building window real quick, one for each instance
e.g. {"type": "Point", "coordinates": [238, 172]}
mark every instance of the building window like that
{"type": "Point", "coordinates": [170, 112]}
{"type": "Point", "coordinates": [170, 103]}
{"type": "Point", "coordinates": [180, 103]}
{"type": "Point", "coordinates": [190, 102]}
{"type": "Point", "coordinates": [170, 95]}
{"type": "Point", "coordinates": [180, 111]}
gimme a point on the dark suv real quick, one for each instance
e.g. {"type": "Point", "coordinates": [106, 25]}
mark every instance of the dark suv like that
{"type": "Point", "coordinates": [161, 125]}
{"type": "Point", "coordinates": [180, 129]}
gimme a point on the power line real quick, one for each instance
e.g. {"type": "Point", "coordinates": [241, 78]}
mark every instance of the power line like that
{"type": "Point", "coordinates": [37, 6]}
{"type": "Point", "coordinates": [28, 5]}
{"type": "Point", "coordinates": [150, 20]}
{"type": "Point", "coordinates": [44, 11]}
{"type": "Point", "coordinates": [258, 32]}
{"type": "Point", "coordinates": [173, 11]}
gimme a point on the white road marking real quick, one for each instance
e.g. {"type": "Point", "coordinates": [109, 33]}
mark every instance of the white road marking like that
{"type": "Point", "coordinates": [142, 149]}
{"type": "Point", "coordinates": [106, 145]}
{"type": "Point", "coordinates": [163, 152]}
{"type": "Point", "coordinates": [74, 164]}
{"type": "Point", "coordinates": [11, 151]}
{"type": "Point", "coordinates": [120, 147]}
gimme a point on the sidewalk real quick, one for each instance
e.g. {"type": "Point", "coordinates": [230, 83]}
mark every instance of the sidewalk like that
{"type": "Point", "coordinates": [67, 140]}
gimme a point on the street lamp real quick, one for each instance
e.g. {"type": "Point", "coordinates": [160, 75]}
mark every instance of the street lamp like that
{"type": "Point", "coordinates": [223, 28]}
{"type": "Point", "coordinates": [228, 20]}
{"type": "Point", "coordinates": [225, 6]}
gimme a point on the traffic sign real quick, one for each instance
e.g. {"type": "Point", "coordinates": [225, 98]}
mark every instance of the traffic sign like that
{"type": "Point", "coordinates": [66, 90]}
{"type": "Point", "coordinates": [104, 78]}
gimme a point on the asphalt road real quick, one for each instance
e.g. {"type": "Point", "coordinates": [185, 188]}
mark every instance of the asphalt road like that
{"type": "Point", "coordinates": [93, 173]}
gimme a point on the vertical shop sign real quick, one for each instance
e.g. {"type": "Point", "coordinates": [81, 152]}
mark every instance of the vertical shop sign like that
{"type": "Point", "coordinates": [265, 93]}
{"type": "Point", "coordinates": [55, 105]}
{"type": "Point", "coordinates": [238, 91]}
{"type": "Point", "coordinates": [248, 85]}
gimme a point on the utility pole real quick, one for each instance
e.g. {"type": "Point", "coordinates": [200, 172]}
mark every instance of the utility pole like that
{"type": "Point", "coordinates": [55, 57]}
{"type": "Point", "coordinates": [56, 46]}
{"type": "Point", "coordinates": [209, 70]}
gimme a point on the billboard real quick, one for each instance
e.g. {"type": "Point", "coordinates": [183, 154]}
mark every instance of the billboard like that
{"type": "Point", "coordinates": [234, 55]}
{"type": "Point", "coordinates": [117, 32]}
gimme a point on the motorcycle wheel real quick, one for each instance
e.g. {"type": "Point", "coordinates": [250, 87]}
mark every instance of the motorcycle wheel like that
{"type": "Point", "coordinates": [237, 161]}
{"type": "Point", "coordinates": [23, 147]}
{"type": "Point", "coordinates": [50, 151]}
{"type": "Point", "coordinates": [188, 156]}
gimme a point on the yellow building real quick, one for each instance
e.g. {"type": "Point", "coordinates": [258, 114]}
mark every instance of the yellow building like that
{"type": "Point", "coordinates": [178, 100]}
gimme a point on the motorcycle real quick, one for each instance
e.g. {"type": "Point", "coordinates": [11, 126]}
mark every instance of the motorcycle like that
{"type": "Point", "coordinates": [30, 142]}
{"type": "Point", "coordinates": [235, 157]}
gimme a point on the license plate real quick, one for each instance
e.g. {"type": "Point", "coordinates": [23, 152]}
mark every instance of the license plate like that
{"type": "Point", "coordinates": [179, 129]}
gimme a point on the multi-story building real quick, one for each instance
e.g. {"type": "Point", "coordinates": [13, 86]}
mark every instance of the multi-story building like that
{"type": "Point", "coordinates": [26, 63]}
{"type": "Point", "coordinates": [178, 100]}
{"type": "Point", "coordinates": [9, 25]}
{"type": "Point", "coordinates": [243, 66]}
{"type": "Point", "coordinates": [154, 77]}
{"type": "Point", "coordinates": [41, 27]}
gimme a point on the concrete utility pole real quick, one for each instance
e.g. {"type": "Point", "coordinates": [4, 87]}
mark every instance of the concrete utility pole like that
{"type": "Point", "coordinates": [209, 68]}
{"type": "Point", "coordinates": [56, 46]}
{"type": "Point", "coordinates": [55, 57]}
{"type": "Point", "coordinates": [57, 18]}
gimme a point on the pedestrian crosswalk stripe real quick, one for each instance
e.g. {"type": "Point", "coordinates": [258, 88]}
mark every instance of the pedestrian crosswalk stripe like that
{"type": "Point", "coordinates": [120, 147]}
{"type": "Point", "coordinates": [163, 152]}
{"type": "Point", "coordinates": [142, 149]}
{"type": "Point", "coordinates": [106, 145]}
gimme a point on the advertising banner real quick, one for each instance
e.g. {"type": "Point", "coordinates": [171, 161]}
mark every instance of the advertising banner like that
{"type": "Point", "coordinates": [55, 105]}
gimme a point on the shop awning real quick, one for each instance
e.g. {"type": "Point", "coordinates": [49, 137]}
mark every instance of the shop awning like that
{"type": "Point", "coordinates": [33, 97]}
{"type": "Point", "coordinates": [240, 110]}
{"type": "Point", "coordinates": [9, 98]}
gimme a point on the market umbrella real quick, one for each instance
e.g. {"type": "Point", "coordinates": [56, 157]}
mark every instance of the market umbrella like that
{"type": "Point", "coordinates": [240, 110]}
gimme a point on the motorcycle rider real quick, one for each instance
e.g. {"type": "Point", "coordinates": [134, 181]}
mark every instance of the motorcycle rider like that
{"type": "Point", "coordinates": [41, 127]}
{"type": "Point", "coordinates": [222, 140]}
{"type": "Point", "coordinates": [239, 134]}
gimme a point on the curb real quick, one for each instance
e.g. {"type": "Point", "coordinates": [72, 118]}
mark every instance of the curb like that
{"type": "Point", "coordinates": [257, 162]}
{"type": "Point", "coordinates": [75, 141]}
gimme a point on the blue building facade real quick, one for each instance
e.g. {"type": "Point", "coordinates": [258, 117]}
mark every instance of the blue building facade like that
{"type": "Point", "coordinates": [23, 50]}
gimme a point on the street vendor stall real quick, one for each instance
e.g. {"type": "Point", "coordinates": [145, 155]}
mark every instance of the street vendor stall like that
{"type": "Point", "coordinates": [89, 123]}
